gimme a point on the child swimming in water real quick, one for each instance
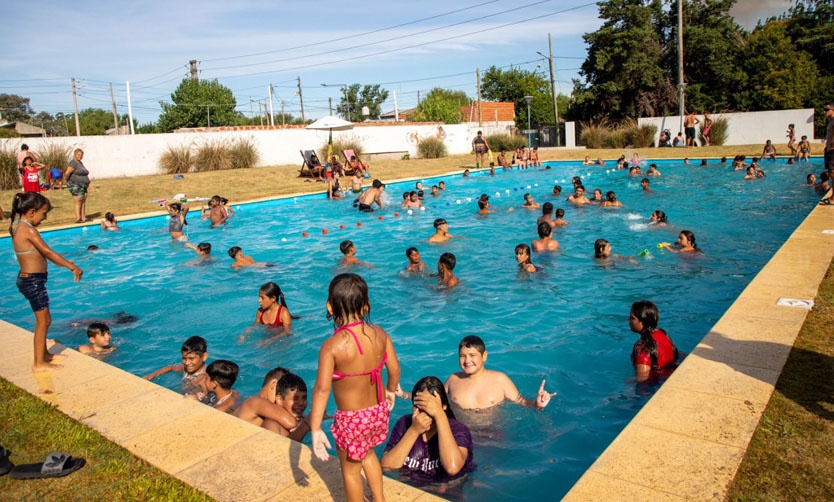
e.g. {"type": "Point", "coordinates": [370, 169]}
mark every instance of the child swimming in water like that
{"type": "Point", "coordinates": [109, 222]}
{"type": "Point", "coordinates": [30, 209]}
{"type": "Point", "coordinates": [356, 351]}
{"type": "Point", "coordinates": [99, 336]}
{"type": "Point", "coordinates": [522, 256]}
{"type": "Point", "coordinates": [445, 270]}
{"type": "Point", "coordinates": [441, 231]}
{"type": "Point", "coordinates": [545, 242]}
{"type": "Point", "coordinates": [415, 264]}
{"type": "Point", "coordinates": [659, 218]}
{"type": "Point", "coordinates": [684, 244]}
{"type": "Point", "coordinates": [272, 308]}
{"type": "Point", "coordinates": [654, 352]}
{"type": "Point", "coordinates": [348, 249]}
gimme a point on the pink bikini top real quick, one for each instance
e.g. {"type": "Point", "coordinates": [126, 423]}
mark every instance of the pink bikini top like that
{"type": "Point", "coordinates": [375, 374]}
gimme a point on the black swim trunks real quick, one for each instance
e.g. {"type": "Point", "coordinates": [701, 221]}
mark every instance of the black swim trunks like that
{"type": "Point", "coordinates": [690, 132]}
{"type": "Point", "coordinates": [365, 208]}
{"type": "Point", "coordinates": [33, 287]}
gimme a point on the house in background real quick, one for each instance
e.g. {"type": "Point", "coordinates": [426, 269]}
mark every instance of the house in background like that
{"type": "Point", "coordinates": [25, 130]}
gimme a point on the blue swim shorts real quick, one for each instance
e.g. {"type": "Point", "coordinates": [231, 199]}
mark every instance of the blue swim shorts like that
{"type": "Point", "coordinates": [33, 287]}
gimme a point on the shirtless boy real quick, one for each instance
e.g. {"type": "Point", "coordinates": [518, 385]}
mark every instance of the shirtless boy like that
{"type": "Point", "coordinates": [441, 232]}
{"type": "Point", "coordinates": [545, 242]}
{"type": "Point", "coordinates": [476, 387]}
{"type": "Point", "coordinates": [261, 409]}
{"type": "Point", "coordinates": [445, 268]}
{"type": "Point", "coordinates": [547, 214]}
{"type": "Point", "coordinates": [578, 196]}
{"type": "Point", "coordinates": [415, 264]}
{"type": "Point", "coordinates": [99, 335]}
{"type": "Point", "coordinates": [348, 249]}
{"type": "Point", "coordinates": [370, 196]}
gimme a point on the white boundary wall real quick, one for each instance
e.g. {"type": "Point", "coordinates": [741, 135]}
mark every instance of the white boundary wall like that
{"type": "Point", "coordinates": [748, 128]}
{"type": "Point", "coordinates": [138, 155]}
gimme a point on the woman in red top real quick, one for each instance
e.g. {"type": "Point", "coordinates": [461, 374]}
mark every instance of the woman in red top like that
{"type": "Point", "coordinates": [654, 353]}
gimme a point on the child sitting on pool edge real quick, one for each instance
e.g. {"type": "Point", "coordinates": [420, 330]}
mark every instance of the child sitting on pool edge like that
{"type": "Point", "coordinates": [476, 387]}
{"type": "Point", "coordinates": [98, 334]}
{"type": "Point", "coordinates": [193, 368]}
{"type": "Point", "coordinates": [221, 375]}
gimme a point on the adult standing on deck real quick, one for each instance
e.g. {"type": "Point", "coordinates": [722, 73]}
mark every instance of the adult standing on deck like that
{"type": "Point", "coordinates": [829, 135]}
{"type": "Point", "coordinates": [689, 128]}
{"type": "Point", "coordinates": [481, 146]}
{"type": "Point", "coordinates": [78, 181]}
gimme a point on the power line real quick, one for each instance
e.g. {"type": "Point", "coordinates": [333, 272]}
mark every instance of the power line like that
{"type": "Point", "coordinates": [353, 36]}
{"type": "Point", "coordinates": [369, 44]}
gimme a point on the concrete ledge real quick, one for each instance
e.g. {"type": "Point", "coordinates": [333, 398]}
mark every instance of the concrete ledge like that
{"type": "Point", "coordinates": [236, 460]}
{"type": "Point", "coordinates": [689, 440]}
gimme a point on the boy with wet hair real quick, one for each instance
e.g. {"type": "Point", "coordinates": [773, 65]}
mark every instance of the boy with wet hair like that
{"type": "Point", "coordinates": [348, 249]}
{"type": "Point", "coordinates": [193, 368]}
{"type": "Point", "coordinates": [222, 375]}
{"type": "Point", "coordinates": [291, 396]}
{"type": "Point", "coordinates": [98, 334]}
{"type": "Point", "coordinates": [263, 409]}
{"type": "Point", "coordinates": [545, 242]}
{"type": "Point", "coordinates": [476, 387]}
{"type": "Point", "coordinates": [445, 266]}
{"type": "Point", "coordinates": [415, 264]}
{"type": "Point", "coordinates": [441, 231]}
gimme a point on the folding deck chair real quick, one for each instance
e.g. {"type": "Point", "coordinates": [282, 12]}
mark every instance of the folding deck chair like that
{"type": "Point", "coordinates": [306, 171]}
{"type": "Point", "coordinates": [349, 154]}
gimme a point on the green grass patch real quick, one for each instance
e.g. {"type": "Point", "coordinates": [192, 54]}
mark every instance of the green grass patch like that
{"type": "Point", "coordinates": [31, 428]}
{"type": "Point", "coordinates": [789, 457]}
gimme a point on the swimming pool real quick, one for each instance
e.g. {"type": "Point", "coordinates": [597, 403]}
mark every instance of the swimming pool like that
{"type": "Point", "coordinates": [567, 324]}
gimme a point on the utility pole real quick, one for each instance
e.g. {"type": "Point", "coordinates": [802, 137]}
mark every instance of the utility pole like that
{"type": "Point", "coordinates": [681, 83]}
{"type": "Point", "coordinates": [330, 100]}
{"type": "Point", "coordinates": [193, 64]}
{"type": "Point", "coordinates": [208, 114]}
{"type": "Point", "coordinates": [553, 90]}
{"type": "Point", "coordinates": [283, 115]}
{"type": "Point", "coordinates": [115, 115]}
{"type": "Point", "coordinates": [418, 98]}
{"type": "Point", "coordinates": [478, 78]}
{"type": "Point", "coordinates": [129, 108]}
{"type": "Point", "coordinates": [75, 106]}
{"type": "Point", "coordinates": [271, 111]}
{"type": "Point", "coordinates": [301, 99]}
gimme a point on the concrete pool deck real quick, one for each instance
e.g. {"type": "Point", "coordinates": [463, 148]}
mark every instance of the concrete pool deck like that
{"type": "Point", "coordinates": [688, 441]}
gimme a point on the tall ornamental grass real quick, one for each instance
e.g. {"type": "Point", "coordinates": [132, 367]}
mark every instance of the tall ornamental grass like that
{"type": "Point", "coordinates": [431, 148]}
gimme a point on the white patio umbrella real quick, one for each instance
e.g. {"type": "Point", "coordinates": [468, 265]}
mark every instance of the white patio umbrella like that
{"type": "Point", "coordinates": [330, 122]}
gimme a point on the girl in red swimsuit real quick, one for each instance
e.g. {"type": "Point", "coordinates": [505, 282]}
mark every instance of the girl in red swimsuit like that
{"type": "Point", "coordinates": [273, 311]}
{"type": "Point", "coordinates": [351, 361]}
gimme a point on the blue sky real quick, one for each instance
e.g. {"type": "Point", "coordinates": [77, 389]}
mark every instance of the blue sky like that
{"type": "Point", "coordinates": [405, 45]}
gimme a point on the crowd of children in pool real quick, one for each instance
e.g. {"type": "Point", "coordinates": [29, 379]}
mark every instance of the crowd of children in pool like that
{"type": "Point", "coordinates": [429, 442]}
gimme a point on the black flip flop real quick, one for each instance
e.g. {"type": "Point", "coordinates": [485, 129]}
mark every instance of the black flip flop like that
{"type": "Point", "coordinates": [5, 464]}
{"type": "Point", "coordinates": [56, 465]}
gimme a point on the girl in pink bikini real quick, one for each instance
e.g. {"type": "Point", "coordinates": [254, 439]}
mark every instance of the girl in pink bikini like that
{"type": "Point", "coordinates": [351, 361]}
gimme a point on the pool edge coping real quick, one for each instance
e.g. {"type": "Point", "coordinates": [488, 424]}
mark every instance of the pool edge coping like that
{"type": "Point", "coordinates": [689, 439]}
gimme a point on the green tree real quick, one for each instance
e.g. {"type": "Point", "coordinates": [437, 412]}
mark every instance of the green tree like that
{"type": "Point", "coordinates": [713, 49]}
{"type": "Point", "coordinates": [355, 96]}
{"type": "Point", "coordinates": [810, 24]}
{"type": "Point", "coordinates": [442, 105]}
{"type": "Point", "coordinates": [198, 103]}
{"type": "Point", "coordinates": [15, 108]}
{"type": "Point", "coordinates": [779, 77]}
{"type": "Point", "coordinates": [624, 71]}
{"type": "Point", "coordinates": [93, 121]}
{"type": "Point", "coordinates": [512, 85]}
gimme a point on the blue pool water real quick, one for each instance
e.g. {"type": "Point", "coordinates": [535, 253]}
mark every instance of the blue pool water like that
{"type": "Point", "coordinates": [567, 324]}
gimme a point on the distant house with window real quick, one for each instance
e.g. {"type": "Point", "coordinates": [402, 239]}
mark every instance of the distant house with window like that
{"type": "Point", "coordinates": [25, 130]}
